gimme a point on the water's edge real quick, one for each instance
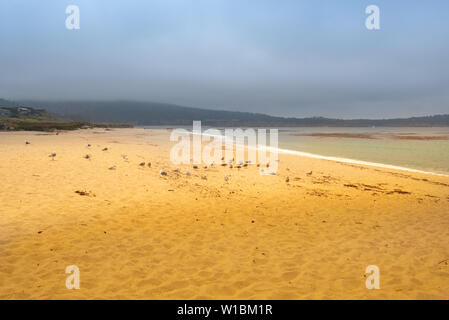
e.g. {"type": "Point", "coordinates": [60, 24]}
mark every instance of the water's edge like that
{"type": "Point", "coordinates": [343, 160]}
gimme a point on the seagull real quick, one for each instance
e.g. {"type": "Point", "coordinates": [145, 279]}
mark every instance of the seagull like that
{"type": "Point", "coordinates": [309, 173]}
{"type": "Point", "coordinates": [287, 180]}
{"type": "Point", "coordinates": [52, 155]}
{"type": "Point", "coordinates": [142, 164]}
{"type": "Point", "coordinates": [125, 156]}
{"type": "Point", "coordinates": [149, 164]}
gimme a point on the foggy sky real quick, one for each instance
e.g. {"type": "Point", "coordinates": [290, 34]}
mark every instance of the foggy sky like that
{"type": "Point", "coordinates": [288, 58]}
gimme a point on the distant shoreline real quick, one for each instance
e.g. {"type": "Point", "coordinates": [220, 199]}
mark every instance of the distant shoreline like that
{"type": "Point", "coordinates": [165, 114]}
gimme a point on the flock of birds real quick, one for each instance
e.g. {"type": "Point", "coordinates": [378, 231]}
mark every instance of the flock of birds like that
{"type": "Point", "coordinates": [164, 173]}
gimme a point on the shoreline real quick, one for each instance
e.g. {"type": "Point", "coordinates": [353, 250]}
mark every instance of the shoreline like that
{"type": "Point", "coordinates": [345, 160]}
{"type": "Point", "coordinates": [359, 162]}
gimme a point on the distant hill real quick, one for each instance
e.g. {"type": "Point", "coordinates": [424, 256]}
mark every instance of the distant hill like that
{"type": "Point", "coordinates": [15, 117]}
{"type": "Point", "coordinates": [152, 113]}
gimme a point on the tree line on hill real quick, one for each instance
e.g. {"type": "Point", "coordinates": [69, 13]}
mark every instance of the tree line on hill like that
{"type": "Point", "coordinates": [154, 113]}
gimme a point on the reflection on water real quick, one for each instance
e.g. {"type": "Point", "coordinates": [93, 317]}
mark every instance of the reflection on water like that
{"type": "Point", "coordinates": [417, 148]}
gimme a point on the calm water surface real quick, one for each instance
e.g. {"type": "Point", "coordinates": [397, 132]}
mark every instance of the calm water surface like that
{"type": "Point", "coordinates": [417, 148]}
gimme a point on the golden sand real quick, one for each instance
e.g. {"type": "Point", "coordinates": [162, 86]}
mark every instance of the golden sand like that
{"type": "Point", "coordinates": [135, 234]}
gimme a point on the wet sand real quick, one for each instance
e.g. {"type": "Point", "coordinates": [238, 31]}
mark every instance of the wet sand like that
{"type": "Point", "coordinates": [135, 234]}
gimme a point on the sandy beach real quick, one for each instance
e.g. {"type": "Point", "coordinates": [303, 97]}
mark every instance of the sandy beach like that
{"type": "Point", "coordinates": [135, 234]}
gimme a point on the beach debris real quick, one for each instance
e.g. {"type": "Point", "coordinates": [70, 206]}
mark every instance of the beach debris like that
{"type": "Point", "coordinates": [163, 173]}
{"type": "Point", "coordinates": [222, 158]}
{"type": "Point", "coordinates": [195, 167]}
{"type": "Point", "coordinates": [142, 164]}
{"type": "Point", "coordinates": [223, 164]}
{"type": "Point", "coordinates": [287, 179]}
{"type": "Point", "coordinates": [258, 165]}
{"type": "Point", "coordinates": [188, 173]}
{"type": "Point", "coordinates": [230, 166]}
{"type": "Point", "coordinates": [238, 167]}
{"type": "Point", "coordinates": [105, 149]}
{"type": "Point", "coordinates": [27, 142]}
{"type": "Point", "coordinates": [309, 173]}
{"type": "Point", "coordinates": [85, 193]}
{"type": "Point", "coordinates": [204, 177]}
{"type": "Point", "coordinates": [125, 157]}
{"type": "Point", "coordinates": [87, 156]}
{"type": "Point", "coordinates": [88, 145]}
{"type": "Point", "coordinates": [149, 164]}
{"type": "Point", "coordinates": [226, 178]}
{"type": "Point", "coordinates": [245, 165]}
{"type": "Point", "coordinates": [113, 168]}
{"type": "Point", "coordinates": [268, 165]}
{"type": "Point", "coordinates": [52, 155]}
{"type": "Point", "coordinates": [39, 232]}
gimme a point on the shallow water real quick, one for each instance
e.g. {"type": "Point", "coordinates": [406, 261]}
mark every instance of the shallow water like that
{"type": "Point", "coordinates": [416, 148]}
{"type": "Point", "coordinates": [425, 149]}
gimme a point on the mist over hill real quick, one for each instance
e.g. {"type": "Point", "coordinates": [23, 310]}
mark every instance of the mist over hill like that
{"type": "Point", "coordinates": [154, 113]}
